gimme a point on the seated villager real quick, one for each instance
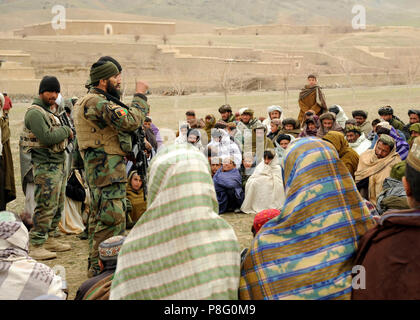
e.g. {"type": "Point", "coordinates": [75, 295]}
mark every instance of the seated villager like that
{"type": "Point", "coordinates": [228, 186]}
{"type": "Point", "coordinates": [402, 146]}
{"type": "Point", "coordinates": [210, 122]}
{"type": "Point", "coordinates": [357, 139]}
{"type": "Point", "coordinates": [308, 114]}
{"type": "Point", "coordinates": [387, 114]}
{"type": "Point", "coordinates": [248, 167]}
{"type": "Point", "coordinates": [183, 130]}
{"type": "Point", "coordinates": [260, 219]}
{"type": "Point", "coordinates": [375, 166]}
{"type": "Point", "coordinates": [194, 138]}
{"type": "Point", "coordinates": [215, 165]}
{"type": "Point", "coordinates": [291, 126]}
{"type": "Point", "coordinates": [318, 229]}
{"type": "Point", "coordinates": [414, 133]}
{"type": "Point", "coordinates": [390, 252]}
{"type": "Point", "coordinates": [281, 144]}
{"type": "Point", "coordinates": [190, 117]}
{"type": "Point", "coordinates": [310, 127]}
{"type": "Point", "coordinates": [350, 122]}
{"type": "Point", "coordinates": [156, 132]}
{"type": "Point", "coordinates": [99, 287]}
{"type": "Point", "coordinates": [372, 134]}
{"type": "Point", "coordinates": [274, 112]}
{"type": "Point", "coordinates": [275, 127]}
{"type": "Point", "coordinates": [340, 115]}
{"type": "Point", "coordinates": [234, 134]}
{"type": "Point", "coordinates": [226, 114]}
{"type": "Point", "coordinates": [264, 189]}
{"type": "Point", "coordinates": [328, 123]}
{"type": "Point", "coordinates": [361, 118]}
{"type": "Point", "coordinates": [260, 142]}
{"type": "Point", "coordinates": [349, 157]}
{"type": "Point", "coordinates": [392, 197]}
{"type": "Point", "coordinates": [414, 117]}
{"type": "Point", "coordinates": [149, 133]}
{"type": "Point", "coordinates": [222, 146]}
{"type": "Point", "coordinates": [248, 121]}
{"type": "Point", "coordinates": [174, 248]}
{"type": "Point", "coordinates": [23, 278]}
{"type": "Point", "coordinates": [136, 205]}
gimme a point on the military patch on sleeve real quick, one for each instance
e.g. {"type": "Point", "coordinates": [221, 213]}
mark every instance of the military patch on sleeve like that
{"type": "Point", "coordinates": [118, 112]}
{"type": "Point", "coordinates": [121, 112]}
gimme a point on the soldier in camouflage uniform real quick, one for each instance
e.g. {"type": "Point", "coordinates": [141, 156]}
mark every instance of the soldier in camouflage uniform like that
{"type": "Point", "coordinates": [102, 130]}
{"type": "Point", "coordinates": [46, 139]}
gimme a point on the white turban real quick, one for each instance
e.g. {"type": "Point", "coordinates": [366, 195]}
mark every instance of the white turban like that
{"type": "Point", "coordinates": [242, 110]}
{"type": "Point", "coordinates": [274, 108]}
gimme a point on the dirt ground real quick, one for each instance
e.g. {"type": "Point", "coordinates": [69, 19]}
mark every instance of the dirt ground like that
{"type": "Point", "coordinates": [75, 260]}
{"type": "Point", "coordinates": [165, 113]}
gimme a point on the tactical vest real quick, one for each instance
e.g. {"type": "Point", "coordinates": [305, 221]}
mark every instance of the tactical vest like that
{"type": "Point", "coordinates": [28, 140]}
{"type": "Point", "coordinates": [89, 135]}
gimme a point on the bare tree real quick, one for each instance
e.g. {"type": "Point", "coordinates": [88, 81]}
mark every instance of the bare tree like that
{"type": "Point", "coordinates": [226, 79]}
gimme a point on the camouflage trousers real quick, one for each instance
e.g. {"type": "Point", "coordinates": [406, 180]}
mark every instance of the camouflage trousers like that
{"type": "Point", "coordinates": [50, 184]}
{"type": "Point", "coordinates": [106, 219]}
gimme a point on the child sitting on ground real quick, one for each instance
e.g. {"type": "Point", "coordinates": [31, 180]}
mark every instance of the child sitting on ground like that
{"type": "Point", "coordinates": [136, 205]}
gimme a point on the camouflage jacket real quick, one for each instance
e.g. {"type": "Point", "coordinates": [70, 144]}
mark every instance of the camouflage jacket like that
{"type": "Point", "coordinates": [103, 169]}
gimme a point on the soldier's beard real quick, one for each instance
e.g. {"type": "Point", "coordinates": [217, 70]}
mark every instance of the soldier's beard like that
{"type": "Point", "coordinates": [112, 90]}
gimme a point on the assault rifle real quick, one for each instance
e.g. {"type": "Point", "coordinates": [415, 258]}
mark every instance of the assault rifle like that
{"type": "Point", "coordinates": [65, 121]}
{"type": "Point", "coordinates": [137, 156]}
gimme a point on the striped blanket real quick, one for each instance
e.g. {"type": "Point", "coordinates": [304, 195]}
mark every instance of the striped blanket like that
{"type": "Point", "coordinates": [180, 248]}
{"type": "Point", "coordinates": [307, 251]}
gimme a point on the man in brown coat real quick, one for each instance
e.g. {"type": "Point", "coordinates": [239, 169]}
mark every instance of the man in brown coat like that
{"type": "Point", "coordinates": [389, 253]}
{"type": "Point", "coordinates": [311, 98]}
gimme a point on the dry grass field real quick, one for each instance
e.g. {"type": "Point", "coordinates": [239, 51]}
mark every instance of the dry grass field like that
{"type": "Point", "coordinates": [166, 111]}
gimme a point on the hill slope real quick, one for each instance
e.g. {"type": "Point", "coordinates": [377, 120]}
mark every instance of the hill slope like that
{"type": "Point", "coordinates": [218, 12]}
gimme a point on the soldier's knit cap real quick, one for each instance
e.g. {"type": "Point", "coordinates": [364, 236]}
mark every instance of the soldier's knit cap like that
{"type": "Point", "coordinates": [50, 84]}
{"type": "Point", "coordinates": [102, 70]}
{"type": "Point", "coordinates": [109, 248]}
{"type": "Point", "coordinates": [108, 58]}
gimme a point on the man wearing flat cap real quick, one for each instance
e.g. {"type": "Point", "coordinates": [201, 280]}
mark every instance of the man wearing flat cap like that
{"type": "Point", "coordinates": [99, 287]}
{"type": "Point", "coordinates": [387, 114]}
{"type": "Point", "coordinates": [414, 116]}
{"type": "Point", "coordinates": [361, 119]}
{"type": "Point", "coordinates": [245, 127]}
{"type": "Point", "coordinates": [226, 114]}
{"type": "Point", "coordinates": [46, 139]}
{"type": "Point", "coordinates": [102, 128]}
